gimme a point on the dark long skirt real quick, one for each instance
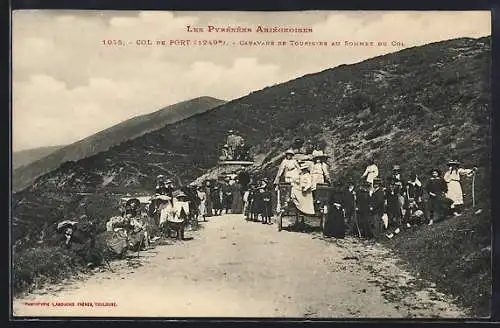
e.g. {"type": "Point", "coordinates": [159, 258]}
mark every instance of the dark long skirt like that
{"type": "Point", "coordinates": [335, 225]}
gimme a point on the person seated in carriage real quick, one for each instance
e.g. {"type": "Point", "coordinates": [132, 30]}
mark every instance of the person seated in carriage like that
{"type": "Point", "coordinates": [225, 153]}
{"type": "Point", "coordinates": [301, 193]}
{"type": "Point", "coordinates": [319, 173]}
{"type": "Point", "coordinates": [233, 141]}
{"type": "Point", "coordinates": [242, 152]}
{"type": "Point", "coordinates": [302, 150]}
{"type": "Point", "coordinates": [289, 168]}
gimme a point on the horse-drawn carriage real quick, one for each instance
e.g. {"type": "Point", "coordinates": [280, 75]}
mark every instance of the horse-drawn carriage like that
{"type": "Point", "coordinates": [288, 206]}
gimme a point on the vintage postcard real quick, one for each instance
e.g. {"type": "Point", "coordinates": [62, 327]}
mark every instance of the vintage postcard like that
{"type": "Point", "coordinates": [313, 164]}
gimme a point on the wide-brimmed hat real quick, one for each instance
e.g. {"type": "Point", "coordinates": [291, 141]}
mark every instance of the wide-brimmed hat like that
{"type": "Point", "coordinates": [160, 176]}
{"type": "Point", "coordinates": [318, 154]}
{"type": "Point", "coordinates": [396, 168]}
{"type": "Point", "coordinates": [290, 151]}
{"type": "Point", "coordinates": [225, 146]}
{"type": "Point", "coordinates": [169, 181]}
{"type": "Point", "coordinates": [133, 202]}
{"type": "Point", "coordinates": [65, 224]}
{"type": "Point", "coordinates": [453, 162]}
{"type": "Point", "coordinates": [230, 131]}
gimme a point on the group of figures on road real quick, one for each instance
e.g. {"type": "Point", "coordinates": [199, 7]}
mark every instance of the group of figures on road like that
{"type": "Point", "coordinates": [399, 203]}
{"type": "Point", "coordinates": [368, 209]}
{"type": "Point", "coordinates": [372, 207]}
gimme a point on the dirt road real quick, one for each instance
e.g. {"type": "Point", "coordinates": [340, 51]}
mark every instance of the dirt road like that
{"type": "Point", "coordinates": [236, 268]}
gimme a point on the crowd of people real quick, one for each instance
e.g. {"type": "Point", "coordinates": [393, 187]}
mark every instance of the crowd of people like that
{"type": "Point", "coordinates": [372, 207]}
{"type": "Point", "coordinates": [375, 206]}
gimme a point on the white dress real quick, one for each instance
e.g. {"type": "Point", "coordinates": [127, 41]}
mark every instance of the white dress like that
{"type": "Point", "coordinates": [302, 194]}
{"type": "Point", "coordinates": [172, 212]}
{"type": "Point", "coordinates": [454, 193]}
{"type": "Point", "coordinates": [371, 173]}
{"type": "Point", "coordinates": [202, 208]}
{"type": "Point", "coordinates": [319, 173]}
{"type": "Point", "coordinates": [290, 168]}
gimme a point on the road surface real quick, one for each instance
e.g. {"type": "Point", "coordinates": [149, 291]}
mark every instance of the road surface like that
{"type": "Point", "coordinates": [236, 268]}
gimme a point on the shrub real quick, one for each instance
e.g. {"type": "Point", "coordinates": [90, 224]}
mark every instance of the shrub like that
{"type": "Point", "coordinates": [52, 263]}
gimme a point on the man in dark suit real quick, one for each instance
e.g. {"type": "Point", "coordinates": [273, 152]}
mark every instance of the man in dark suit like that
{"type": "Point", "coordinates": [349, 205]}
{"type": "Point", "coordinates": [377, 207]}
{"type": "Point", "coordinates": [363, 208]}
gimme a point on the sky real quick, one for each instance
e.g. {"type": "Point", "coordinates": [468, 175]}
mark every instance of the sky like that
{"type": "Point", "coordinates": [67, 84]}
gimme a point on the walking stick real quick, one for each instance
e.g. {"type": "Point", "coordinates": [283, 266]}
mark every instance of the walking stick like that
{"type": "Point", "coordinates": [140, 246]}
{"type": "Point", "coordinates": [473, 194]}
{"type": "Point", "coordinates": [356, 216]}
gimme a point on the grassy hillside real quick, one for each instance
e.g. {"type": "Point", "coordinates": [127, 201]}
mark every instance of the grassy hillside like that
{"type": "Point", "coordinates": [115, 135]}
{"type": "Point", "coordinates": [28, 156]}
{"type": "Point", "coordinates": [417, 108]}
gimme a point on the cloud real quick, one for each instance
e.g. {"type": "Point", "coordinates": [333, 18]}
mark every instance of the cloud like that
{"type": "Point", "coordinates": [67, 84]}
{"type": "Point", "coordinates": [48, 112]}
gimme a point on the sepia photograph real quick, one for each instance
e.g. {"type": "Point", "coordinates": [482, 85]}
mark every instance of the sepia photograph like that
{"type": "Point", "coordinates": [229, 164]}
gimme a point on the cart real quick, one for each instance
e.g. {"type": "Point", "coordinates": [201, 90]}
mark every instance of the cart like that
{"type": "Point", "coordinates": [287, 208]}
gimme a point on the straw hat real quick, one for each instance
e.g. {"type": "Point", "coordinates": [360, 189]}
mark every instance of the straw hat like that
{"type": "Point", "coordinates": [453, 162]}
{"type": "Point", "coordinates": [396, 168]}
{"type": "Point", "coordinates": [65, 224]}
{"type": "Point", "coordinates": [318, 154]}
{"type": "Point", "coordinates": [290, 151]}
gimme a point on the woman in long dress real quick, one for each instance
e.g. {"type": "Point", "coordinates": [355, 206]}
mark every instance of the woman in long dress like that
{"type": "Point", "coordinates": [319, 172]}
{"type": "Point", "coordinates": [217, 198]}
{"type": "Point", "coordinates": [202, 207]}
{"type": "Point", "coordinates": [209, 202]}
{"type": "Point", "coordinates": [237, 203]}
{"type": "Point", "coordinates": [302, 191]}
{"type": "Point", "coordinates": [452, 178]}
{"type": "Point", "coordinates": [371, 172]}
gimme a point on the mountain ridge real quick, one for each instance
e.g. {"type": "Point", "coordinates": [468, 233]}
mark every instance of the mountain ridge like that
{"type": "Point", "coordinates": [27, 156]}
{"type": "Point", "coordinates": [116, 134]}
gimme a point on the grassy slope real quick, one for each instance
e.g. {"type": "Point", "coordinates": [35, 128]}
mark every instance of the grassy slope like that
{"type": "Point", "coordinates": [416, 108]}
